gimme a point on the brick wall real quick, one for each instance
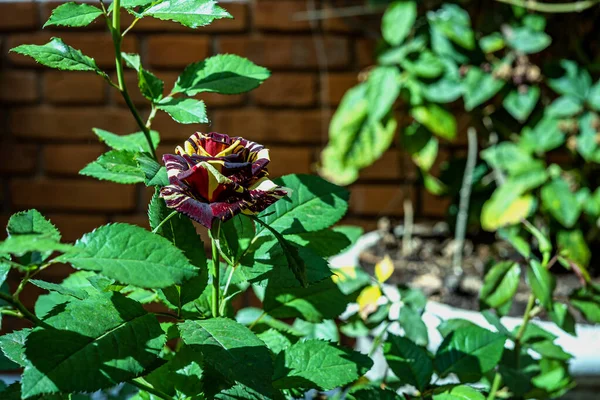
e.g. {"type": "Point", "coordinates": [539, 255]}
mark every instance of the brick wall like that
{"type": "Point", "coordinates": [47, 116]}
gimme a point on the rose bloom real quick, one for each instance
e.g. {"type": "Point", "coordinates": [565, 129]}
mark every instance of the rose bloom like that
{"type": "Point", "coordinates": [215, 177]}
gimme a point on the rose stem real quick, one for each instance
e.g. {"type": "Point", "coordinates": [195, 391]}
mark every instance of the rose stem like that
{"type": "Point", "coordinates": [214, 236]}
{"type": "Point", "coordinates": [463, 212]}
{"type": "Point", "coordinates": [117, 40]}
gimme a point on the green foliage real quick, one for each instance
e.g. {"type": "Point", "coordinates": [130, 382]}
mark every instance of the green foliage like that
{"type": "Point", "coordinates": [88, 360]}
{"type": "Point", "coordinates": [408, 361]}
{"type": "Point", "coordinates": [116, 166]}
{"type": "Point", "coordinates": [318, 364]}
{"type": "Point", "coordinates": [57, 54]}
{"type": "Point", "coordinates": [223, 73]}
{"type": "Point", "coordinates": [398, 21]}
{"type": "Point", "coordinates": [184, 111]}
{"type": "Point", "coordinates": [131, 255]}
{"type": "Point", "coordinates": [189, 13]}
{"type": "Point", "coordinates": [134, 142]}
{"type": "Point", "coordinates": [73, 14]}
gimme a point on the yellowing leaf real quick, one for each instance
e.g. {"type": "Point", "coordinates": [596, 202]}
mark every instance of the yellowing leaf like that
{"type": "Point", "coordinates": [495, 214]}
{"type": "Point", "coordinates": [384, 269]}
{"type": "Point", "coordinates": [367, 300]}
{"type": "Point", "coordinates": [344, 273]}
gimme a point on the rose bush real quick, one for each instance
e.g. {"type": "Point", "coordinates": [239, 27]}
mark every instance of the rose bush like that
{"type": "Point", "coordinates": [215, 176]}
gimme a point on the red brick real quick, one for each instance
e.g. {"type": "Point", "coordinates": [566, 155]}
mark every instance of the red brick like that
{"type": "Point", "coordinates": [97, 45]}
{"type": "Point", "coordinates": [18, 158]}
{"type": "Point", "coordinates": [434, 206]}
{"type": "Point", "coordinates": [287, 52]}
{"type": "Point", "coordinates": [379, 200]}
{"type": "Point", "coordinates": [18, 87]}
{"type": "Point", "coordinates": [69, 123]}
{"type": "Point", "coordinates": [334, 86]}
{"type": "Point", "coordinates": [72, 227]}
{"type": "Point", "coordinates": [139, 220]}
{"type": "Point", "coordinates": [290, 160]}
{"type": "Point", "coordinates": [273, 126]}
{"type": "Point", "coordinates": [15, 16]}
{"type": "Point", "coordinates": [69, 159]}
{"type": "Point", "coordinates": [72, 195]}
{"type": "Point", "coordinates": [177, 50]}
{"type": "Point", "coordinates": [280, 15]}
{"type": "Point", "coordinates": [131, 81]}
{"type": "Point", "coordinates": [287, 89]}
{"type": "Point", "coordinates": [368, 224]}
{"type": "Point", "coordinates": [214, 100]}
{"type": "Point", "coordinates": [393, 165]}
{"type": "Point", "coordinates": [365, 50]}
{"type": "Point", "coordinates": [73, 88]}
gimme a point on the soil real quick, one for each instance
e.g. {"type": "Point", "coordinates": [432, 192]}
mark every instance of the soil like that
{"type": "Point", "coordinates": [427, 264]}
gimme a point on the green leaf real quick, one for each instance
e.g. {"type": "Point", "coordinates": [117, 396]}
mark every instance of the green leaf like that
{"type": "Point", "coordinates": [421, 145]}
{"type": "Point", "coordinates": [31, 222]}
{"type": "Point", "coordinates": [223, 73]}
{"type": "Point", "coordinates": [21, 244]}
{"type": "Point", "coordinates": [427, 65]}
{"type": "Point", "coordinates": [317, 364]}
{"type": "Point", "coordinates": [521, 104]}
{"type": "Point", "coordinates": [563, 318]}
{"type": "Point", "coordinates": [115, 166]}
{"type": "Point", "coordinates": [383, 88]}
{"type": "Point", "coordinates": [260, 321]}
{"type": "Point", "coordinates": [575, 83]}
{"type": "Point", "coordinates": [57, 54]}
{"type": "Point", "coordinates": [562, 204]}
{"type": "Point", "coordinates": [190, 13]}
{"type": "Point", "coordinates": [445, 90]}
{"type": "Point", "coordinates": [480, 87]}
{"type": "Point", "coordinates": [184, 111]}
{"type": "Point", "coordinates": [547, 349]}
{"type": "Point", "coordinates": [133, 256]}
{"type": "Point", "coordinates": [314, 204]}
{"type": "Point", "coordinates": [129, 4]}
{"type": "Point", "coordinates": [506, 207]}
{"type": "Point", "coordinates": [78, 294]}
{"type": "Point", "coordinates": [587, 301]}
{"type": "Point", "coordinates": [181, 376]}
{"type": "Point", "coordinates": [73, 14]}
{"type": "Point", "coordinates": [469, 352]}
{"type": "Point", "coordinates": [436, 119]}
{"type": "Point", "coordinates": [373, 393]}
{"type": "Point", "coordinates": [593, 97]}
{"type": "Point", "coordinates": [455, 24]}
{"type": "Point", "coordinates": [408, 361]}
{"type": "Point", "coordinates": [564, 107]}
{"type": "Point", "coordinates": [544, 137]}
{"type": "Point", "coordinates": [150, 85]}
{"type": "Point", "coordinates": [414, 327]}
{"type": "Point", "coordinates": [235, 236]}
{"type": "Point", "coordinates": [587, 144]}
{"type": "Point", "coordinates": [13, 346]}
{"type": "Point", "coordinates": [327, 242]}
{"type": "Point", "coordinates": [573, 246]}
{"type": "Point", "coordinates": [458, 393]}
{"type": "Point", "coordinates": [326, 330]}
{"type": "Point", "coordinates": [156, 174]}
{"type": "Point", "coordinates": [542, 283]}
{"type": "Point", "coordinates": [527, 40]}
{"type": "Point", "coordinates": [320, 301]}
{"type": "Point", "coordinates": [509, 157]}
{"type": "Point", "coordinates": [354, 143]}
{"type": "Point", "coordinates": [134, 142]}
{"type": "Point", "coordinates": [276, 341]}
{"type": "Point", "coordinates": [232, 350]}
{"type": "Point", "coordinates": [77, 355]}
{"type": "Point", "coordinates": [492, 43]}
{"type": "Point", "coordinates": [398, 21]}
{"type": "Point", "coordinates": [500, 284]}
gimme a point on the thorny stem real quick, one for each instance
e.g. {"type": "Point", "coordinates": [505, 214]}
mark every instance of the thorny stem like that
{"type": "Point", "coordinates": [226, 289]}
{"type": "Point", "coordinates": [117, 40]}
{"type": "Point", "coordinates": [257, 320]}
{"type": "Point", "coordinates": [465, 195]}
{"type": "Point", "coordinates": [141, 384]}
{"type": "Point", "coordinates": [135, 21]}
{"type": "Point", "coordinates": [214, 236]}
{"type": "Point", "coordinates": [553, 7]}
{"type": "Point", "coordinates": [379, 338]}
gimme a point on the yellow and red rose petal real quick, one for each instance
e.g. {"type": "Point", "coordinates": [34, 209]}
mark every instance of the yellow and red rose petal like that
{"type": "Point", "coordinates": [216, 177]}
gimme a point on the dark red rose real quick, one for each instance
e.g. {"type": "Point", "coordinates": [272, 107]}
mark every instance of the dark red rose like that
{"type": "Point", "coordinates": [215, 176]}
